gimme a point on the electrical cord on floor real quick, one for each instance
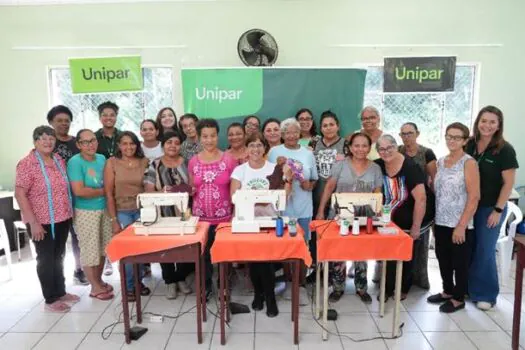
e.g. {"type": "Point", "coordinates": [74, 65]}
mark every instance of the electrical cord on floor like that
{"type": "Point", "coordinates": [311, 296]}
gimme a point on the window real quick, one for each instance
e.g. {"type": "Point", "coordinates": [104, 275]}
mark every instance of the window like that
{"type": "Point", "coordinates": [432, 112]}
{"type": "Point", "coordinates": [133, 106]}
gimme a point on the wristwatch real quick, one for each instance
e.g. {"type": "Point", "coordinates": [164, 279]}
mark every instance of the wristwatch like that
{"type": "Point", "coordinates": [498, 210]}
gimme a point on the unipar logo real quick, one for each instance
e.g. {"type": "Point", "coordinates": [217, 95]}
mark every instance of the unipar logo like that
{"type": "Point", "coordinates": [217, 94]}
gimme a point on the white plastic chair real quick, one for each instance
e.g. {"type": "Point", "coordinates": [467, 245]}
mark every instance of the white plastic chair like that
{"type": "Point", "coordinates": [4, 244]}
{"type": "Point", "coordinates": [505, 244]}
{"type": "Point", "coordinates": [21, 228]}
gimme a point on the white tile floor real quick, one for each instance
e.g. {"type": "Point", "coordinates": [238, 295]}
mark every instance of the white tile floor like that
{"type": "Point", "coordinates": [25, 325]}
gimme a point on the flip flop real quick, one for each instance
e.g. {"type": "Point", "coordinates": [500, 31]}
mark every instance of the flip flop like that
{"type": "Point", "coordinates": [102, 295]}
{"type": "Point", "coordinates": [109, 287]}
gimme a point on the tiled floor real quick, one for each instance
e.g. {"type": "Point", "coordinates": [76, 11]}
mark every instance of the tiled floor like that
{"type": "Point", "coordinates": [25, 325]}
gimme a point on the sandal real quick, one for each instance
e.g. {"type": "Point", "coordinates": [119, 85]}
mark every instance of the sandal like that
{"type": "Point", "coordinates": [58, 306]}
{"type": "Point", "coordinates": [365, 297]}
{"type": "Point", "coordinates": [102, 296]}
{"type": "Point", "coordinates": [70, 298]}
{"type": "Point", "coordinates": [108, 287]}
{"type": "Point", "coordinates": [144, 291]}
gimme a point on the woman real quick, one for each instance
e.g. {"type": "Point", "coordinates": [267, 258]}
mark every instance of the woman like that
{"type": "Point", "coordinates": [169, 174]}
{"type": "Point", "coordinates": [123, 175]}
{"type": "Point", "coordinates": [251, 124]}
{"type": "Point", "coordinates": [456, 203]}
{"type": "Point", "coordinates": [236, 137]}
{"type": "Point", "coordinates": [254, 175]}
{"type": "Point", "coordinates": [354, 174]}
{"type": "Point", "coordinates": [271, 129]}
{"type": "Point", "coordinates": [426, 160]}
{"type": "Point", "coordinates": [92, 223]}
{"type": "Point", "coordinates": [42, 191]}
{"type": "Point", "coordinates": [497, 167]}
{"type": "Point", "coordinates": [151, 147]}
{"type": "Point", "coordinates": [370, 121]}
{"type": "Point", "coordinates": [309, 135]}
{"type": "Point", "coordinates": [60, 118]}
{"type": "Point", "coordinates": [166, 120]}
{"type": "Point", "coordinates": [191, 145]}
{"type": "Point", "coordinates": [299, 204]}
{"type": "Point", "coordinates": [404, 191]}
{"type": "Point", "coordinates": [210, 173]}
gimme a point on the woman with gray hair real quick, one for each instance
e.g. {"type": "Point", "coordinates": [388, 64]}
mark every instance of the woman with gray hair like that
{"type": "Point", "coordinates": [43, 193]}
{"type": "Point", "coordinates": [370, 121]}
{"type": "Point", "coordinates": [404, 191]}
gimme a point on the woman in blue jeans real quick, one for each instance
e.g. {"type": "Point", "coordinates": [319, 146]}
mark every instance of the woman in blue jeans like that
{"type": "Point", "coordinates": [123, 181]}
{"type": "Point", "coordinates": [497, 167]}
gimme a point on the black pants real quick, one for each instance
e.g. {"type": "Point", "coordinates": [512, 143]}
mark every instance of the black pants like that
{"type": "Point", "coordinates": [263, 279]}
{"type": "Point", "coordinates": [208, 267]}
{"type": "Point", "coordinates": [170, 274]}
{"type": "Point", "coordinates": [454, 260]}
{"type": "Point", "coordinates": [407, 273]}
{"type": "Point", "coordinates": [50, 260]}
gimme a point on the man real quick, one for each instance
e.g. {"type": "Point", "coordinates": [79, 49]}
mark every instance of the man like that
{"type": "Point", "coordinates": [60, 118]}
{"type": "Point", "coordinates": [107, 143]}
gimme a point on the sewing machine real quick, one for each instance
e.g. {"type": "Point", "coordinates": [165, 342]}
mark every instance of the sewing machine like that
{"type": "Point", "coordinates": [245, 202]}
{"type": "Point", "coordinates": [347, 205]}
{"type": "Point", "coordinates": [151, 221]}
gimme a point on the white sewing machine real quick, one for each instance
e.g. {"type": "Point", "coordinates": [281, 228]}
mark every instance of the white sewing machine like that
{"type": "Point", "coordinates": [344, 206]}
{"type": "Point", "coordinates": [245, 202]}
{"type": "Point", "coordinates": [151, 221]}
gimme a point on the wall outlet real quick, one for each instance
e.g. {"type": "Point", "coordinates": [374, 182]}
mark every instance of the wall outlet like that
{"type": "Point", "coordinates": [156, 319]}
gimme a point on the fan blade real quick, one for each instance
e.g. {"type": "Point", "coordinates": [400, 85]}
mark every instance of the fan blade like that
{"type": "Point", "coordinates": [250, 57]}
{"type": "Point", "coordinates": [268, 52]}
{"type": "Point", "coordinates": [254, 38]}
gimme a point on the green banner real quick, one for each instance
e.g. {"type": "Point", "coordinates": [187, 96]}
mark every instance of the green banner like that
{"type": "Point", "coordinates": [230, 94]}
{"type": "Point", "coordinates": [105, 74]}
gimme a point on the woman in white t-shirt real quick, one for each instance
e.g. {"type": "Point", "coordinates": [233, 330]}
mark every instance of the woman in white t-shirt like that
{"type": "Point", "coordinates": [151, 146]}
{"type": "Point", "coordinates": [254, 175]}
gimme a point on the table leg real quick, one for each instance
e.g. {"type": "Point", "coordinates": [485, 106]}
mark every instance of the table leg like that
{"type": "Point", "coordinates": [202, 275]}
{"type": "Point", "coordinates": [222, 305]}
{"type": "Point", "coordinates": [382, 290]}
{"type": "Point", "coordinates": [517, 298]}
{"type": "Point", "coordinates": [198, 292]}
{"type": "Point", "coordinates": [295, 305]}
{"type": "Point", "coordinates": [399, 274]}
{"type": "Point", "coordinates": [325, 300]}
{"type": "Point", "coordinates": [318, 291]}
{"type": "Point", "coordinates": [138, 301]}
{"type": "Point", "coordinates": [125, 306]}
{"type": "Point", "coordinates": [227, 291]}
{"type": "Point", "coordinates": [292, 268]}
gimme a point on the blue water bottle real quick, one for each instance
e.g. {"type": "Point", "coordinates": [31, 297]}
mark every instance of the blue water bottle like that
{"type": "Point", "coordinates": [279, 227]}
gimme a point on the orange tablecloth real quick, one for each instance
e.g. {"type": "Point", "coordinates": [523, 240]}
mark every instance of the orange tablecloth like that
{"type": "Point", "coordinates": [233, 247]}
{"type": "Point", "coordinates": [127, 243]}
{"type": "Point", "coordinates": [331, 246]}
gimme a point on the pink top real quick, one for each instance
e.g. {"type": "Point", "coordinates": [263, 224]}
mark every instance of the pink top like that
{"type": "Point", "coordinates": [29, 177]}
{"type": "Point", "coordinates": [212, 200]}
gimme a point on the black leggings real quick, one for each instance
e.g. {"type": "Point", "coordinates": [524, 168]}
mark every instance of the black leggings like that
{"type": "Point", "coordinates": [262, 275]}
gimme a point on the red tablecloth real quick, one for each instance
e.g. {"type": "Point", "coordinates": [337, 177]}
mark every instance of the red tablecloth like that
{"type": "Point", "coordinates": [127, 243]}
{"type": "Point", "coordinates": [331, 246]}
{"type": "Point", "coordinates": [264, 246]}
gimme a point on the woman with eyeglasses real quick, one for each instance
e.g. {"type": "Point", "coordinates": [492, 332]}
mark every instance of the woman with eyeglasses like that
{"type": "Point", "coordinates": [309, 136]}
{"type": "Point", "coordinates": [404, 191]}
{"type": "Point", "coordinates": [191, 145]}
{"type": "Point", "coordinates": [271, 130]}
{"type": "Point", "coordinates": [253, 175]}
{"type": "Point", "coordinates": [456, 203]}
{"type": "Point", "coordinates": [251, 124]}
{"type": "Point", "coordinates": [92, 222]}
{"type": "Point", "coordinates": [43, 194]}
{"type": "Point", "coordinates": [236, 142]}
{"type": "Point", "coordinates": [370, 122]}
{"type": "Point", "coordinates": [426, 160]}
{"type": "Point", "coordinates": [166, 121]}
{"type": "Point", "coordinates": [355, 174]}
{"type": "Point", "coordinates": [123, 175]}
{"type": "Point", "coordinates": [497, 168]}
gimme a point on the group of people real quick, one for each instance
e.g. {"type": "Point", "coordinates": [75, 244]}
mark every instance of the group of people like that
{"type": "Point", "coordinates": [88, 184]}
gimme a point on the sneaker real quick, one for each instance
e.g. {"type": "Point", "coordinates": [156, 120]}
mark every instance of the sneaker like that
{"type": "Point", "coordinates": [448, 307]}
{"type": "Point", "coordinates": [108, 268]}
{"type": "Point", "coordinates": [483, 305]}
{"type": "Point", "coordinates": [183, 287]}
{"type": "Point", "coordinates": [335, 296]}
{"type": "Point", "coordinates": [171, 291]}
{"type": "Point", "coordinates": [80, 278]}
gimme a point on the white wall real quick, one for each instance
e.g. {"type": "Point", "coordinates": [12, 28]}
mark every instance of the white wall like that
{"type": "Point", "coordinates": [305, 31]}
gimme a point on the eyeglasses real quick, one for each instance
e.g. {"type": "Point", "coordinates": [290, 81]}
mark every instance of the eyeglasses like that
{"type": "Point", "coordinates": [386, 149]}
{"type": "Point", "coordinates": [406, 134]}
{"type": "Point", "coordinates": [368, 119]}
{"type": "Point", "coordinates": [255, 145]}
{"type": "Point", "coordinates": [454, 138]}
{"type": "Point", "coordinates": [87, 142]}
